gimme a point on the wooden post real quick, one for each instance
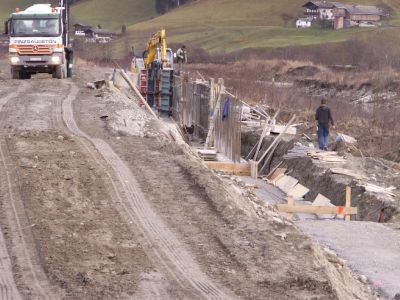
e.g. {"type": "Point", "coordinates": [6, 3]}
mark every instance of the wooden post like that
{"type": "Point", "coordinates": [134, 88]}
{"type": "Point", "coordinates": [277, 139]}
{"type": "Point", "coordinates": [290, 204]}
{"type": "Point", "coordinates": [253, 169]}
{"type": "Point", "coordinates": [348, 201]}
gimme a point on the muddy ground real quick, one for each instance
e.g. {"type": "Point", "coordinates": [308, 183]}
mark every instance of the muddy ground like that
{"type": "Point", "coordinates": [97, 202]}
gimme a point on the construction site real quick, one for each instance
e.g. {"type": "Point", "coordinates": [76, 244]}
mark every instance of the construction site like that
{"type": "Point", "coordinates": [157, 179]}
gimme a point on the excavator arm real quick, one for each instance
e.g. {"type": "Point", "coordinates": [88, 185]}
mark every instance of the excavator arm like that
{"type": "Point", "coordinates": [158, 42]}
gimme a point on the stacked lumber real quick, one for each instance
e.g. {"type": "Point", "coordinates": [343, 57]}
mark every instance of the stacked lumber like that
{"type": "Point", "coordinates": [378, 189]}
{"type": "Point", "coordinates": [207, 154]}
{"type": "Point", "coordinates": [326, 156]}
{"type": "Point", "coordinates": [304, 151]}
{"type": "Point", "coordinates": [298, 151]}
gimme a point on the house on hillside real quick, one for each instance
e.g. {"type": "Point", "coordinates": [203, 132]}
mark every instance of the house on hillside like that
{"type": "Point", "coordinates": [337, 15]}
{"type": "Point", "coordinates": [79, 29]}
{"type": "Point", "coordinates": [97, 35]}
{"type": "Point", "coordinates": [358, 15]}
{"type": "Point", "coordinates": [319, 10]}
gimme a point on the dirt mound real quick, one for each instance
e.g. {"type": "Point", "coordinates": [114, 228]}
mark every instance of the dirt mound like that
{"type": "Point", "coordinates": [303, 71]}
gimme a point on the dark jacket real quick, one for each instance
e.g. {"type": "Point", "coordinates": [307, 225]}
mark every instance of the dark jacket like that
{"type": "Point", "coordinates": [69, 54]}
{"type": "Point", "coordinates": [323, 115]}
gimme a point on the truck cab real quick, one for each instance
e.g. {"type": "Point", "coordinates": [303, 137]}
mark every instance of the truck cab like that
{"type": "Point", "coordinates": [36, 42]}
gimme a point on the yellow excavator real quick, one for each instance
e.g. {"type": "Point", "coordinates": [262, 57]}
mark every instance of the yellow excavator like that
{"type": "Point", "coordinates": [156, 79]}
{"type": "Point", "coordinates": [157, 50]}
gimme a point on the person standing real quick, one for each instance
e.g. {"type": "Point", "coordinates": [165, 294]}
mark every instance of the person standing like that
{"type": "Point", "coordinates": [323, 116]}
{"type": "Point", "coordinates": [181, 55]}
{"type": "Point", "coordinates": [69, 56]}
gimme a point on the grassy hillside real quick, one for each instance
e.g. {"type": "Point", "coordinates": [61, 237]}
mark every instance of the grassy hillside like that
{"type": "Point", "coordinates": [113, 14]}
{"type": "Point", "coordinates": [226, 25]}
{"type": "Point", "coordinates": [109, 13]}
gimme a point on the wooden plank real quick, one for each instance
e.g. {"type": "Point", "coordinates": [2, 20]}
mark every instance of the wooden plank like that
{"type": "Point", "coordinates": [138, 94]}
{"type": "Point", "coordinates": [263, 134]}
{"type": "Point", "coordinates": [346, 172]}
{"type": "Point", "coordinates": [214, 115]}
{"type": "Point", "coordinates": [299, 191]}
{"type": "Point", "coordinates": [280, 128]}
{"type": "Point", "coordinates": [232, 168]}
{"type": "Point", "coordinates": [277, 139]}
{"type": "Point", "coordinates": [290, 204]}
{"type": "Point", "coordinates": [286, 183]}
{"type": "Point", "coordinates": [348, 201]}
{"type": "Point", "coordinates": [309, 209]}
{"type": "Point", "coordinates": [321, 200]}
{"type": "Point", "coordinates": [278, 173]}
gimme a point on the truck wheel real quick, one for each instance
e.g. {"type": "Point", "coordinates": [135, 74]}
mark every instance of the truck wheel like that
{"type": "Point", "coordinates": [15, 74]}
{"type": "Point", "coordinates": [27, 75]}
{"type": "Point", "coordinates": [59, 73]}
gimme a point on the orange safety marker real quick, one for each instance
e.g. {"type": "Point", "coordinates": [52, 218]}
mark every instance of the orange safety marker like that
{"type": "Point", "coordinates": [340, 210]}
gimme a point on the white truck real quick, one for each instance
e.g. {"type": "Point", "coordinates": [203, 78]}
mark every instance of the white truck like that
{"type": "Point", "coordinates": [38, 36]}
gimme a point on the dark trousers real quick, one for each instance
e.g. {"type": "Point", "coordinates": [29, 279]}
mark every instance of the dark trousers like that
{"type": "Point", "coordinates": [323, 136]}
{"type": "Point", "coordinates": [70, 62]}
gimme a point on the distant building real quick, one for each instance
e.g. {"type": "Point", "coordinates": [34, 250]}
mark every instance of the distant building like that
{"type": "Point", "coordinates": [338, 15]}
{"type": "Point", "coordinates": [79, 29]}
{"type": "Point", "coordinates": [97, 35]}
{"type": "Point", "coordinates": [358, 15]}
{"type": "Point", "coordinates": [319, 10]}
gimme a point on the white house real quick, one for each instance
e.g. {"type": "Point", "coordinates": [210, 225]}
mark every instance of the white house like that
{"type": "Point", "coordinates": [320, 10]}
{"type": "Point", "coordinates": [303, 23]}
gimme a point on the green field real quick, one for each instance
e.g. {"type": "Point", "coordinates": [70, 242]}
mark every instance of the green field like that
{"type": "Point", "coordinates": [113, 14]}
{"type": "Point", "coordinates": [227, 25]}
{"type": "Point", "coordinates": [110, 14]}
{"type": "Point", "coordinates": [214, 25]}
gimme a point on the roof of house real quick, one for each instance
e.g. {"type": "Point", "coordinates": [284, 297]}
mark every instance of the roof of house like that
{"type": "Point", "coordinates": [322, 4]}
{"type": "Point", "coordinates": [101, 31]}
{"type": "Point", "coordinates": [352, 9]}
{"type": "Point", "coordinates": [364, 10]}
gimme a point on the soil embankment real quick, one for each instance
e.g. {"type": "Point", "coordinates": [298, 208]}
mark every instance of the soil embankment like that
{"type": "Point", "coordinates": [107, 206]}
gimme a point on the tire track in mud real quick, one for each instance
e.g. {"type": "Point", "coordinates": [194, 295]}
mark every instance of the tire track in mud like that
{"type": "Point", "coordinates": [171, 253]}
{"type": "Point", "coordinates": [8, 289]}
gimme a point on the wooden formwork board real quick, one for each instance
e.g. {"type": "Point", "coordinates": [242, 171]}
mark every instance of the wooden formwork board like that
{"type": "Point", "coordinates": [299, 191]}
{"type": "Point", "coordinates": [286, 183]}
{"type": "Point", "coordinates": [310, 209]}
{"type": "Point", "coordinates": [326, 209]}
{"type": "Point", "coordinates": [278, 173]}
{"type": "Point", "coordinates": [232, 168]}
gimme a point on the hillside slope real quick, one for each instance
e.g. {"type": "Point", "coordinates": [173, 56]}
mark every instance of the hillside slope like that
{"type": "Point", "coordinates": [113, 14]}
{"type": "Point", "coordinates": [226, 25]}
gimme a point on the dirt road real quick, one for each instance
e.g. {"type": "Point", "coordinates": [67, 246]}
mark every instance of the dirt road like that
{"type": "Point", "coordinates": [98, 203]}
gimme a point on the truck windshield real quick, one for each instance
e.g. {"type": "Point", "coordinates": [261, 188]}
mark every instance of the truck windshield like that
{"type": "Point", "coordinates": [35, 27]}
